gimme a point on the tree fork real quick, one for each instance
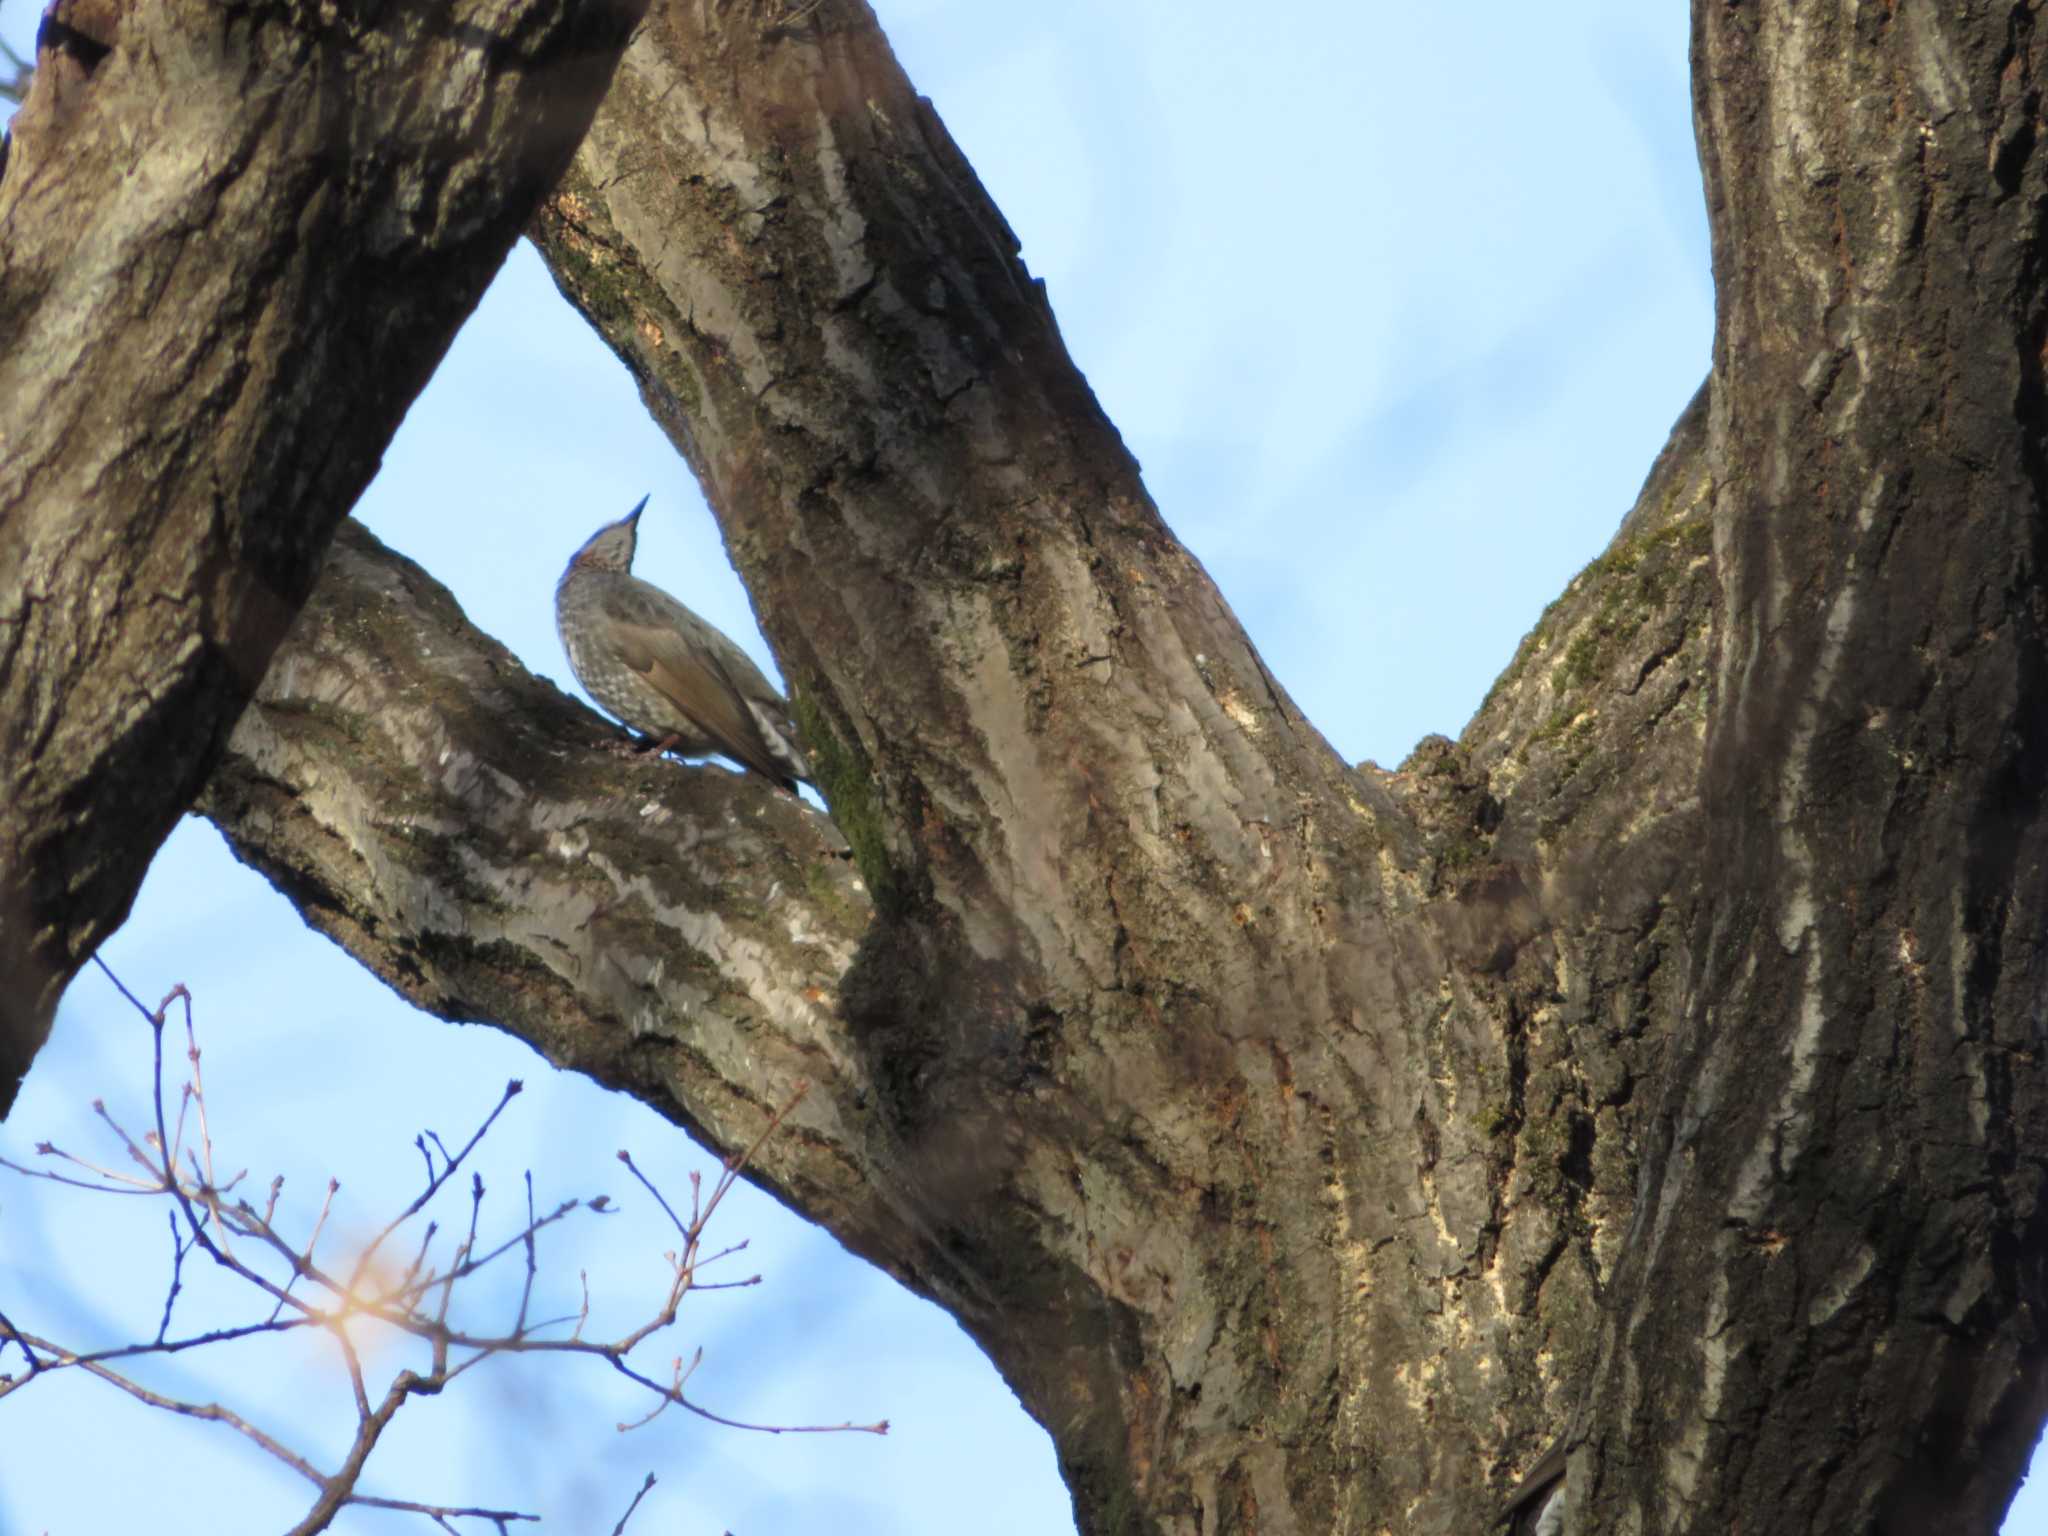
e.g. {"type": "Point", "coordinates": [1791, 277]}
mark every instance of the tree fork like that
{"type": "Point", "coordinates": [1104, 1009]}
{"type": "Point", "coordinates": [1311, 1145]}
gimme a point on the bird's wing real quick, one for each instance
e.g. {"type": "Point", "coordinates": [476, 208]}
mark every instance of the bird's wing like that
{"type": "Point", "coordinates": [1528, 1505]}
{"type": "Point", "coordinates": [710, 679]}
{"type": "Point", "coordinates": [690, 678]}
{"type": "Point", "coordinates": [768, 709]}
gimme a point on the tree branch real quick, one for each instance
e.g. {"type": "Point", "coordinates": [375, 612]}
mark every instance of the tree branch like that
{"type": "Point", "coordinates": [233, 251]}
{"type": "Point", "coordinates": [676, 933]}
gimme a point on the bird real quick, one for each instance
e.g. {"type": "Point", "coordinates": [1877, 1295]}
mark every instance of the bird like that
{"type": "Point", "coordinates": [1536, 1507]}
{"type": "Point", "coordinates": [663, 671]}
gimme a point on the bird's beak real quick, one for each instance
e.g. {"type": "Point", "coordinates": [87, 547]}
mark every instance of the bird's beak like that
{"type": "Point", "coordinates": [638, 507]}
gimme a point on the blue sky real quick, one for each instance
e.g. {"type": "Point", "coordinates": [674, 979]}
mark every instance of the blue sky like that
{"type": "Point", "coordinates": [1394, 304]}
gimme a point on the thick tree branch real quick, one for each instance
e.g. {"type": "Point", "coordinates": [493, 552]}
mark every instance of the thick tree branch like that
{"type": "Point", "coordinates": [679, 934]}
{"type": "Point", "coordinates": [232, 247]}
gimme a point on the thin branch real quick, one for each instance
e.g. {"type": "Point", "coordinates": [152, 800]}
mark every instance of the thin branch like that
{"type": "Point", "coordinates": [620, 1528]}
{"type": "Point", "coordinates": [20, 73]}
{"type": "Point", "coordinates": [179, 1248]}
{"type": "Point", "coordinates": [421, 1304]}
{"type": "Point", "coordinates": [212, 1412]}
{"type": "Point", "coordinates": [512, 1090]}
{"type": "Point", "coordinates": [304, 1265]}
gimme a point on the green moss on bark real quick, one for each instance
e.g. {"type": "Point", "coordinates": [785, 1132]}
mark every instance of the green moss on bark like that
{"type": "Point", "coordinates": [843, 777]}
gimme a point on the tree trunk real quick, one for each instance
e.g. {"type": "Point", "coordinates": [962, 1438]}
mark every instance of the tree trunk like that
{"type": "Point", "coordinates": [232, 249]}
{"type": "Point", "coordinates": [1311, 1146]}
{"type": "Point", "coordinates": [1843, 1167]}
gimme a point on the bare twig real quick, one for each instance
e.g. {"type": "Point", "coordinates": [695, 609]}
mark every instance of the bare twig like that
{"type": "Point", "coordinates": [20, 72]}
{"type": "Point", "coordinates": [620, 1528]}
{"type": "Point", "coordinates": [421, 1303]}
{"type": "Point", "coordinates": [435, 1180]}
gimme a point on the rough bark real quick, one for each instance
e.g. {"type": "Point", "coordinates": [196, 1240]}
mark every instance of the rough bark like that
{"type": "Point", "coordinates": [1843, 1169]}
{"type": "Point", "coordinates": [234, 242]}
{"type": "Point", "coordinates": [447, 818]}
{"type": "Point", "coordinates": [1148, 951]}
{"type": "Point", "coordinates": [1307, 1144]}
{"type": "Point", "coordinates": [1280, 1113]}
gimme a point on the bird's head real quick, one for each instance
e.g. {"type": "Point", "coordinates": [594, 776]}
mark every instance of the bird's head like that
{"type": "Point", "coordinates": [611, 547]}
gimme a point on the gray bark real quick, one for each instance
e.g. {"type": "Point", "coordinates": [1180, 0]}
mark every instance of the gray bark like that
{"type": "Point", "coordinates": [1843, 1162]}
{"type": "Point", "coordinates": [233, 245]}
{"type": "Point", "coordinates": [1307, 1143]}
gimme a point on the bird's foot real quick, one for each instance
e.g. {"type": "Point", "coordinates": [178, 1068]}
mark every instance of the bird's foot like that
{"type": "Point", "coordinates": [635, 747]}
